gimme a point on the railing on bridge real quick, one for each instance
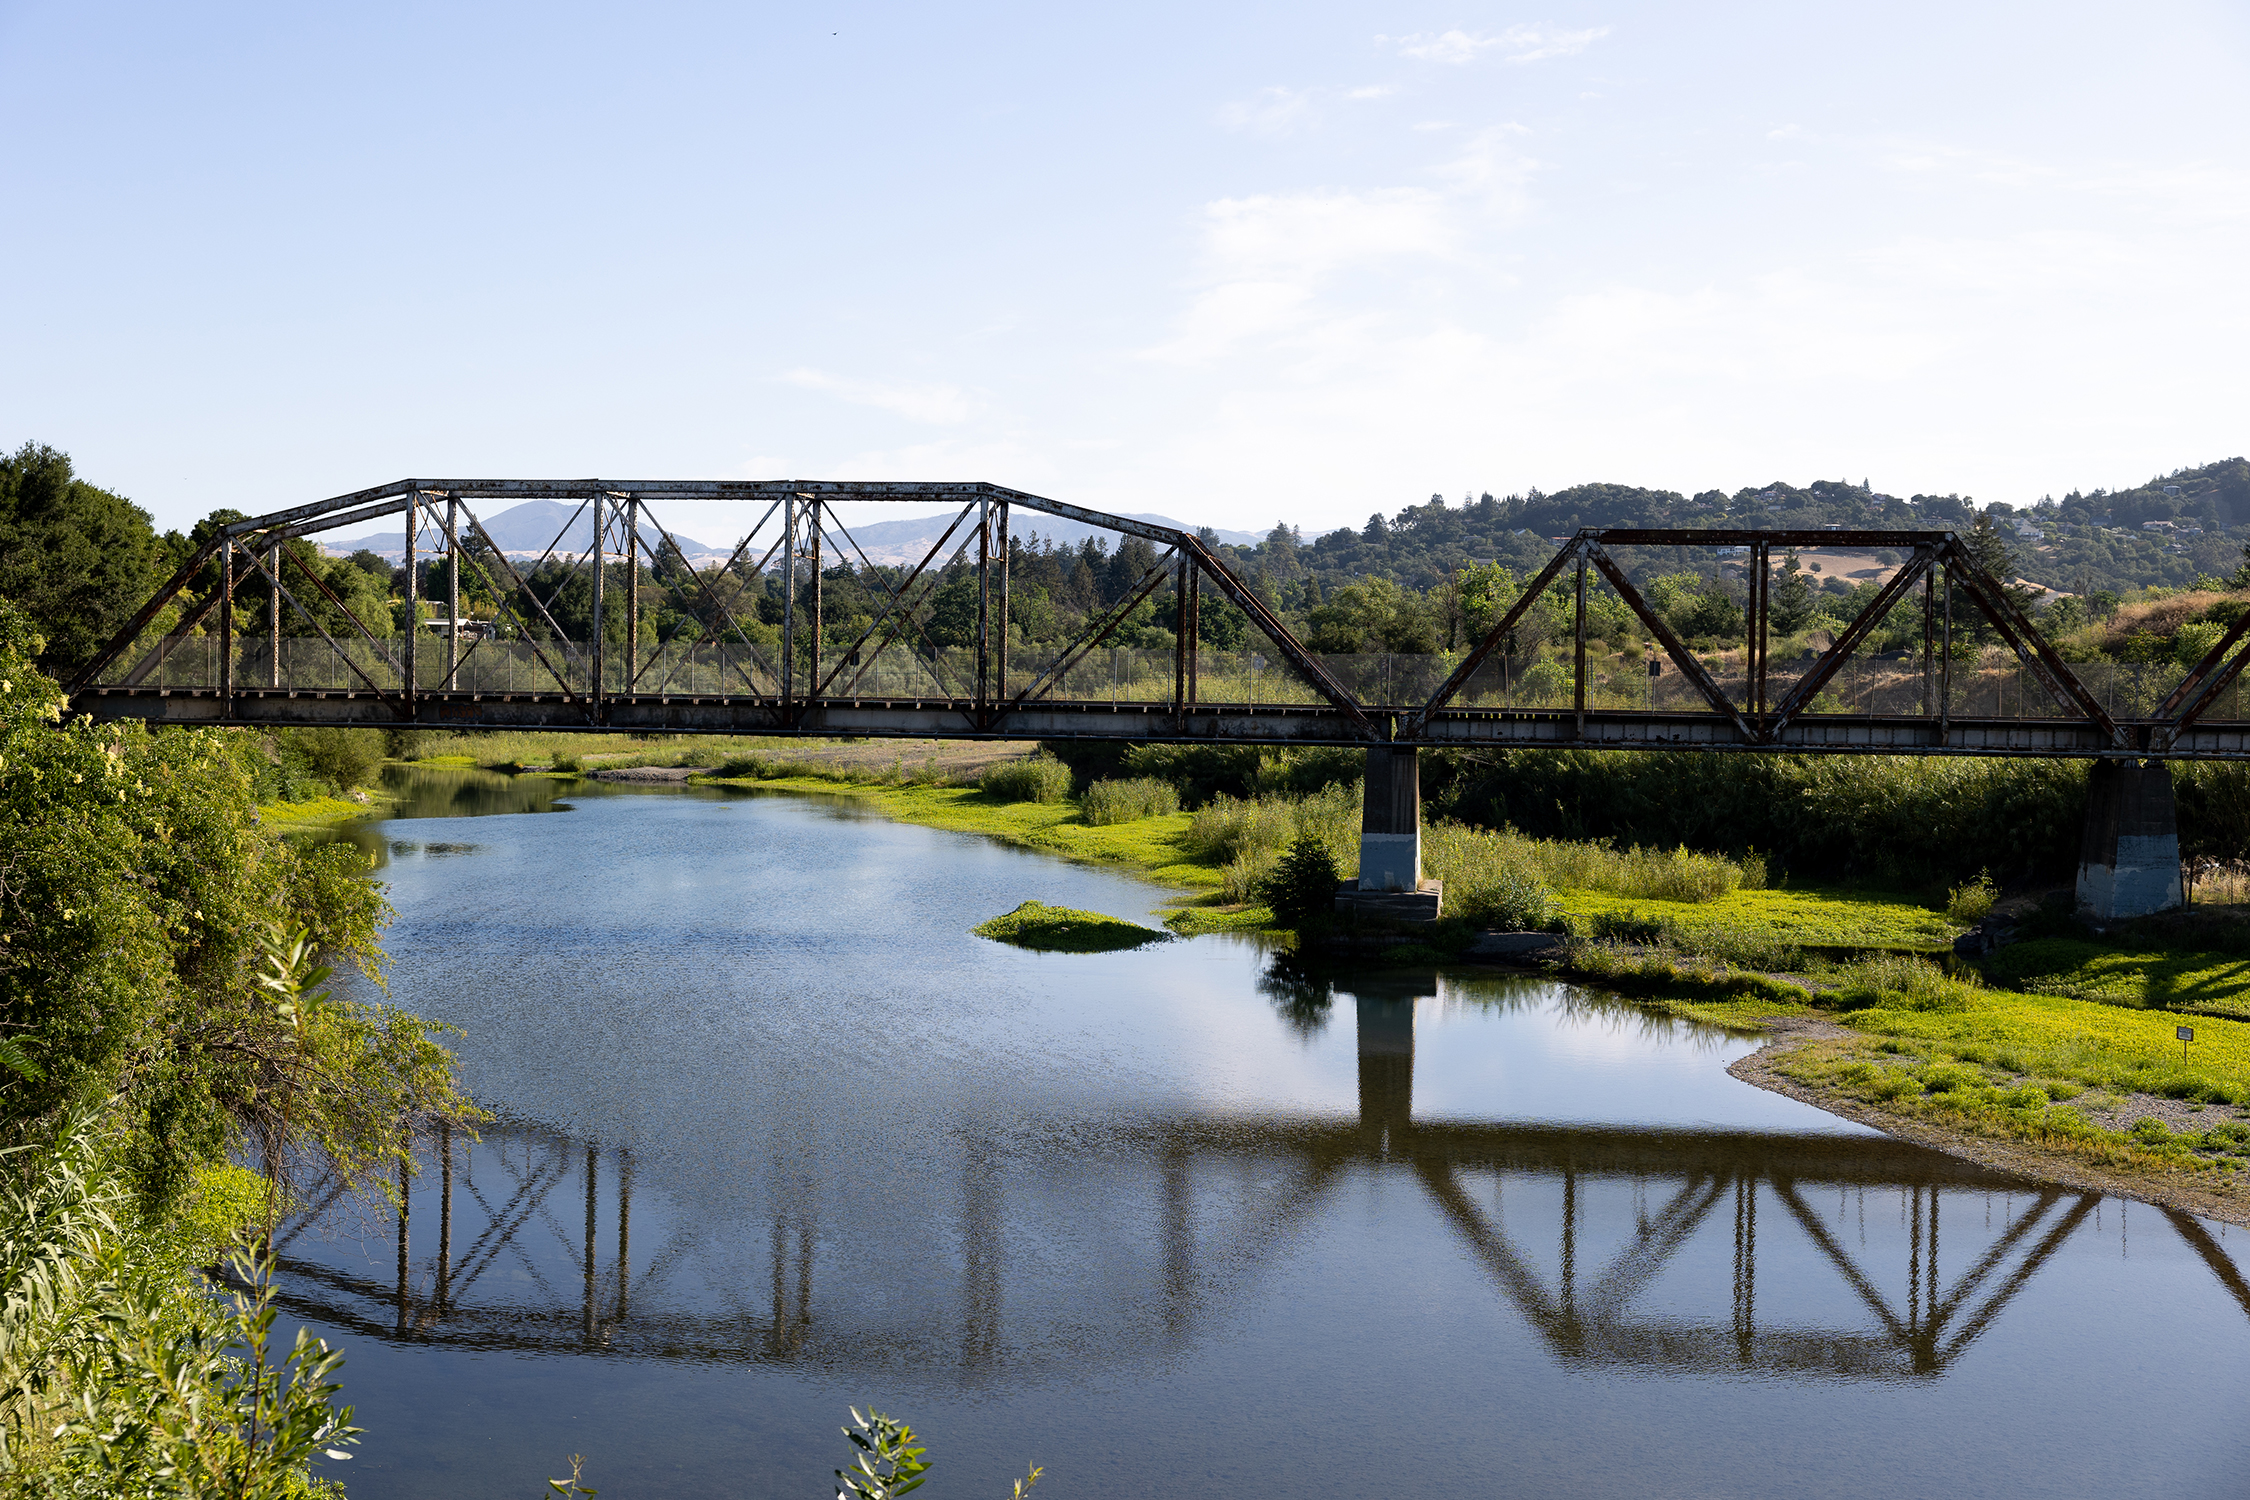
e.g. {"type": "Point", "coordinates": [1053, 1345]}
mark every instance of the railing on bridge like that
{"type": "Point", "coordinates": [1959, 669]}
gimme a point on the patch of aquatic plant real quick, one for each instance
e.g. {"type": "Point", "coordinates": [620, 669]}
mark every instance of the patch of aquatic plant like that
{"type": "Point", "coordinates": [1107, 802]}
{"type": "Point", "coordinates": [1035, 778]}
{"type": "Point", "coordinates": [1060, 929]}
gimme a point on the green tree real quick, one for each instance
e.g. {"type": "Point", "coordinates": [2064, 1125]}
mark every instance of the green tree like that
{"type": "Point", "coordinates": [138, 900]}
{"type": "Point", "coordinates": [1792, 602]}
{"type": "Point", "coordinates": [77, 559]}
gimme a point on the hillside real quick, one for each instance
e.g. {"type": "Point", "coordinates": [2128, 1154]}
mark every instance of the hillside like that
{"type": "Point", "coordinates": [2164, 533]}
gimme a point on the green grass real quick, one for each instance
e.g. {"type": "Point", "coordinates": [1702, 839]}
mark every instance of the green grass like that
{"type": "Point", "coordinates": [318, 814]}
{"type": "Point", "coordinates": [1155, 847]}
{"type": "Point", "coordinates": [1060, 929]}
{"type": "Point", "coordinates": [2182, 979]}
{"type": "Point", "coordinates": [1811, 917]}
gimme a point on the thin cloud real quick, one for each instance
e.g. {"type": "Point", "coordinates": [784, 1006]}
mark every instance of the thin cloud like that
{"type": "Point", "coordinates": [936, 405]}
{"type": "Point", "coordinates": [1517, 44]}
{"type": "Point", "coordinates": [1282, 111]}
{"type": "Point", "coordinates": [1271, 112]}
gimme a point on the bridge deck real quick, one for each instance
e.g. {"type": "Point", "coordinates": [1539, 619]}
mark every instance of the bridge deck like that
{"type": "Point", "coordinates": [1269, 723]}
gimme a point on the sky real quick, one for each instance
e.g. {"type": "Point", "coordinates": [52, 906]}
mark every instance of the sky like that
{"type": "Point", "coordinates": [1228, 263]}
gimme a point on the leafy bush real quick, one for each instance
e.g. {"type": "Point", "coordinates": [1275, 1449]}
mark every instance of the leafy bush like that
{"type": "Point", "coordinates": [120, 1373]}
{"type": "Point", "coordinates": [1972, 903]}
{"type": "Point", "coordinates": [1491, 878]}
{"type": "Point", "coordinates": [1301, 887]}
{"type": "Point", "coordinates": [1898, 818]}
{"type": "Point", "coordinates": [1108, 802]}
{"type": "Point", "coordinates": [1036, 778]}
{"type": "Point", "coordinates": [1254, 831]}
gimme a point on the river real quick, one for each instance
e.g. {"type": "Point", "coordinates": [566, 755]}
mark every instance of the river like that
{"type": "Point", "coordinates": [774, 1135]}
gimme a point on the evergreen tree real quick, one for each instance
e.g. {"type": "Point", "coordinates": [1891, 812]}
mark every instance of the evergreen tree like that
{"type": "Point", "coordinates": [1792, 601]}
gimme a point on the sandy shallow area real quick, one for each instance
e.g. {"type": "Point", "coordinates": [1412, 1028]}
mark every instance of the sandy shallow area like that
{"type": "Point", "coordinates": [2200, 1193]}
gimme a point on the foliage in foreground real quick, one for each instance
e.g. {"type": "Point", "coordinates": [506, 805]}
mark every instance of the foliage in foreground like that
{"type": "Point", "coordinates": [120, 1375]}
{"type": "Point", "coordinates": [1061, 929]}
{"type": "Point", "coordinates": [138, 900]}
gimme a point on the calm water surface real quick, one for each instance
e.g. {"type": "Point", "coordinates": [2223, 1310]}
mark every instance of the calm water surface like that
{"type": "Point", "coordinates": [776, 1135]}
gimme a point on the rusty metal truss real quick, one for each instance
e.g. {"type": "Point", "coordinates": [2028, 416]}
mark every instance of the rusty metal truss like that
{"type": "Point", "coordinates": [192, 656]}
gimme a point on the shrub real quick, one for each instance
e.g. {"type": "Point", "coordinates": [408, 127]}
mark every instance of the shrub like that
{"type": "Point", "coordinates": [1301, 887]}
{"type": "Point", "coordinates": [1256, 830]}
{"type": "Point", "coordinates": [1037, 778]}
{"type": "Point", "coordinates": [1108, 802]}
{"type": "Point", "coordinates": [339, 758]}
{"type": "Point", "coordinates": [1972, 903]}
{"type": "Point", "coordinates": [1490, 878]}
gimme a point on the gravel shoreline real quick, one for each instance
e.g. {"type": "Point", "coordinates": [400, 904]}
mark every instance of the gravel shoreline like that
{"type": "Point", "coordinates": [2193, 1195]}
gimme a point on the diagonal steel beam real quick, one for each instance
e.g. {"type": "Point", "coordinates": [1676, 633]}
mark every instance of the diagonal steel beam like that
{"type": "Point", "coordinates": [529, 639]}
{"type": "Point", "coordinates": [702, 627]}
{"type": "Point", "coordinates": [903, 609]}
{"type": "Point", "coordinates": [1269, 625]}
{"type": "Point", "coordinates": [2053, 674]}
{"type": "Point", "coordinates": [1832, 660]}
{"type": "Point", "coordinates": [1134, 596]}
{"type": "Point", "coordinates": [124, 638]}
{"type": "Point", "coordinates": [273, 579]}
{"type": "Point", "coordinates": [1690, 668]}
{"type": "Point", "coordinates": [2201, 687]}
{"type": "Point", "coordinates": [1415, 723]}
{"type": "Point", "coordinates": [869, 570]}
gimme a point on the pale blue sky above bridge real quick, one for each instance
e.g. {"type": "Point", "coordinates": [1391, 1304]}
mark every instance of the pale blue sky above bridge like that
{"type": "Point", "coordinates": [1226, 263]}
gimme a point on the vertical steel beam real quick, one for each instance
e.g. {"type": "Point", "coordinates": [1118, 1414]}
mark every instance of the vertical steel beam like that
{"type": "Point", "coordinates": [445, 1217]}
{"type": "Point", "coordinates": [413, 585]}
{"type": "Point", "coordinates": [273, 617]}
{"type": "Point", "coordinates": [788, 601]}
{"type": "Point", "coordinates": [453, 594]}
{"type": "Point", "coordinates": [1761, 599]}
{"type": "Point", "coordinates": [593, 1161]}
{"type": "Point", "coordinates": [984, 608]}
{"type": "Point", "coordinates": [624, 1230]}
{"type": "Point", "coordinates": [403, 1184]}
{"type": "Point", "coordinates": [813, 509]}
{"type": "Point", "coordinates": [595, 654]}
{"type": "Point", "coordinates": [226, 630]}
{"type": "Point", "coordinates": [1000, 626]}
{"type": "Point", "coordinates": [1578, 682]}
{"type": "Point", "coordinates": [1194, 632]}
{"type": "Point", "coordinates": [1180, 639]}
{"type": "Point", "coordinates": [632, 595]}
{"type": "Point", "coordinates": [1945, 661]}
{"type": "Point", "coordinates": [1929, 645]}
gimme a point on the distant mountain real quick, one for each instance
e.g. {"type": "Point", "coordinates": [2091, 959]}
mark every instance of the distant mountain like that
{"type": "Point", "coordinates": [526, 530]}
{"type": "Point", "coordinates": [908, 540]}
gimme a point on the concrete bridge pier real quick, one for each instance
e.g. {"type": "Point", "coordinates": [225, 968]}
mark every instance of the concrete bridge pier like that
{"type": "Point", "coordinates": [2129, 864]}
{"type": "Point", "coordinates": [1390, 883]}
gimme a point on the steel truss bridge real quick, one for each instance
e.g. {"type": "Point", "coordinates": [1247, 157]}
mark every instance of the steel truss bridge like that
{"type": "Point", "coordinates": [1047, 1246]}
{"type": "Point", "coordinates": [230, 640]}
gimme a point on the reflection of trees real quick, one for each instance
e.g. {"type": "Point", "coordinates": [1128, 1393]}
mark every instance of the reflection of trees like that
{"type": "Point", "coordinates": [1052, 1244]}
{"type": "Point", "coordinates": [1300, 992]}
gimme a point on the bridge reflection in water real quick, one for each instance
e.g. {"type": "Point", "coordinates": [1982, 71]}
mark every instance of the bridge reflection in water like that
{"type": "Point", "coordinates": [1618, 1246]}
